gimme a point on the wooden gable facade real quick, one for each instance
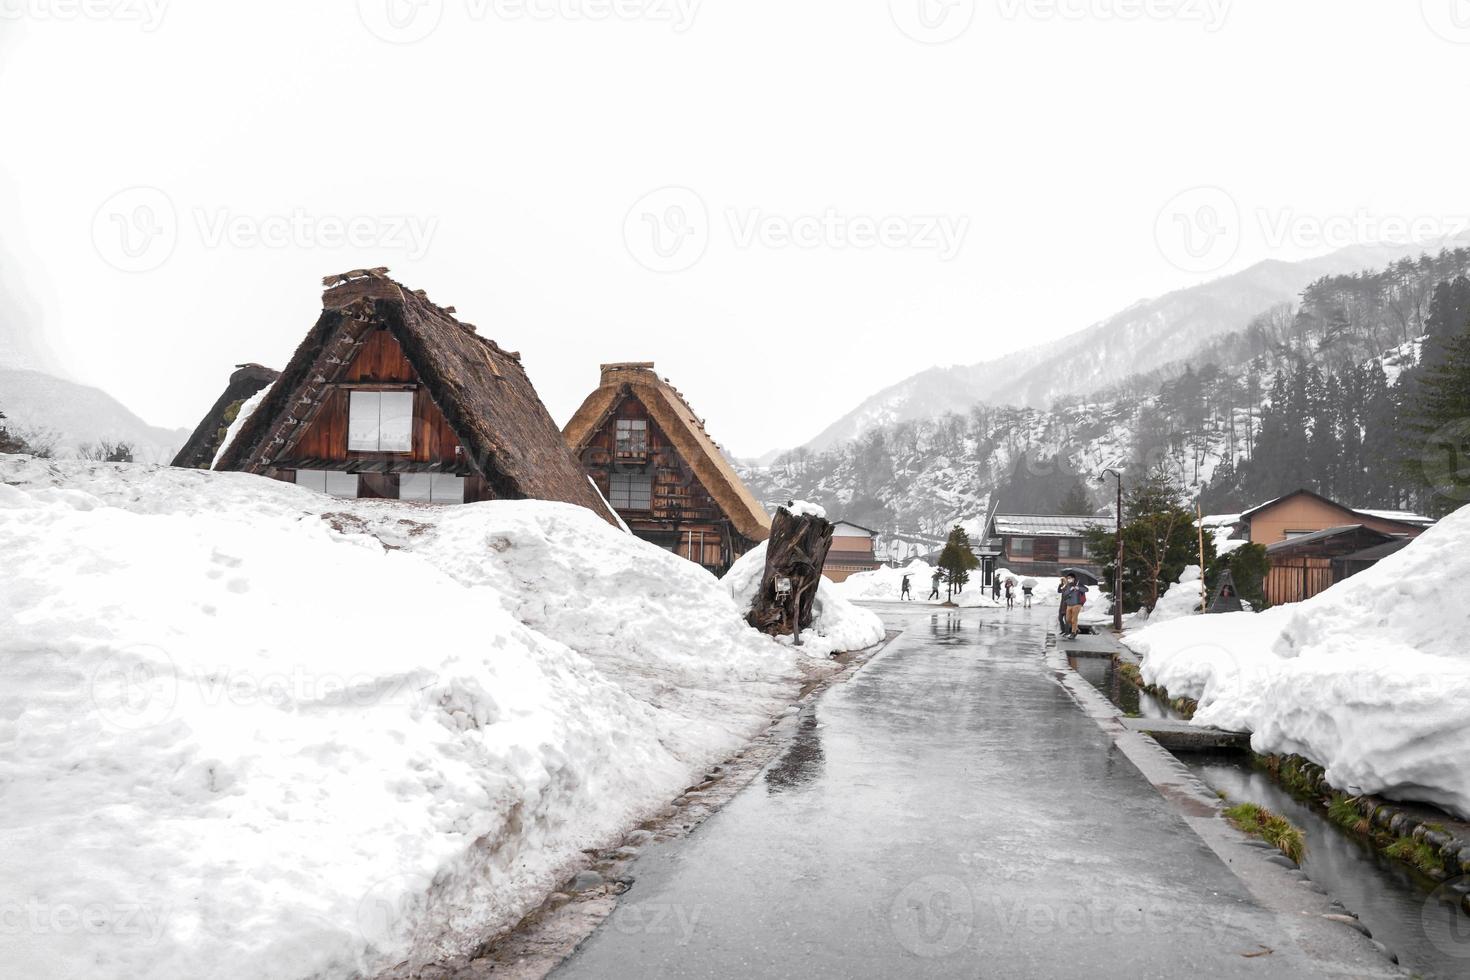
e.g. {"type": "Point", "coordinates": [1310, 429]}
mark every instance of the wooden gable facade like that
{"type": "Point", "coordinates": [650, 457]}
{"type": "Point", "coordinates": [325, 444]}
{"type": "Point", "coordinates": [390, 397]}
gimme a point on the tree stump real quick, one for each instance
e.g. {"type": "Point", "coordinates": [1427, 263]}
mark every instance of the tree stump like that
{"type": "Point", "coordinates": [795, 555]}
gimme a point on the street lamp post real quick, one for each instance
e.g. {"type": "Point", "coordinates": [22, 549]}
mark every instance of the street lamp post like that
{"type": "Point", "coordinates": [1118, 561]}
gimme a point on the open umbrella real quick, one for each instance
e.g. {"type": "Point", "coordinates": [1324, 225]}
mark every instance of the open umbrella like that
{"type": "Point", "coordinates": [1029, 583]}
{"type": "Point", "coordinates": [1082, 576]}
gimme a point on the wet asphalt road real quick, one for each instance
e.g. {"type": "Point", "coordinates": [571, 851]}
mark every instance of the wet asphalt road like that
{"type": "Point", "coordinates": [947, 812]}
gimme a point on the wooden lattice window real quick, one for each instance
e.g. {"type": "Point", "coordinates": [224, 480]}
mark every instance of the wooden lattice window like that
{"type": "Point", "coordinates": [632, 437]}
{"type": "Point", "coordinates": [631, 491]}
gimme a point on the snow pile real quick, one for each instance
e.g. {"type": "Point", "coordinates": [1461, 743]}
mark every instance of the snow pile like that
{"type": "Point", "coordinates": [252, 730]}
{"type": "Point", "coordinates": [1220, 527]}
{"type": "Point", "coordinates": [1369, 679]}
{"type": "Point", "coordinates": [1180, 599]}
{"type": "Point", "coordinates": [886, 584]}
{"type": "Point", "coordinates": [803, 508]}
{"type": "Point", "coordinates": [837, 625]}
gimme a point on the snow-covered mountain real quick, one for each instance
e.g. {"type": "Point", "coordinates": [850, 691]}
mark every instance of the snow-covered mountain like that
{"type": "Point", "coordinates": [1147, 335]}
{"type": "Point", "coordinates": [75, 415]}
{"type": "Point", "coordinates": [912, 478]}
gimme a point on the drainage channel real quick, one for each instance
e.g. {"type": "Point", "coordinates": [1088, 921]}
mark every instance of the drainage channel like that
{"type": "Point", "coordinates": [1401, 906]}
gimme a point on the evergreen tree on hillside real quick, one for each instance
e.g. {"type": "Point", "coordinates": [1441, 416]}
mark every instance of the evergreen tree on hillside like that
{"type": "Point", "coordinates": [1440, 425]}
{"type": "Point", "coordinates": [10, 443]}
{"type": "Point", "coordinates": [1077, 503]}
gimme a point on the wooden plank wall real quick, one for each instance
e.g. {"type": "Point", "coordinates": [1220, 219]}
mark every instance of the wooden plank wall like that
{"type": "Point", "coordinates": [379, 361]}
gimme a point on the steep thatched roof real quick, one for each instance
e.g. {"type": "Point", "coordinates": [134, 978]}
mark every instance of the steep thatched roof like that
{"type": "Point", "coordinates": [199, 451]}
{"type": "Point", "coordinates": [483, 391]}
{"type": "Point", "coordinates": [668, 409]}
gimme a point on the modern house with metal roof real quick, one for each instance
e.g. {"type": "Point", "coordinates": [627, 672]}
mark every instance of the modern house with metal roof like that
{"type": "Point", "coordinates": [1036, 544]}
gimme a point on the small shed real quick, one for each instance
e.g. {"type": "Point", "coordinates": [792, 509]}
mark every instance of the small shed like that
{"type": "Point", "coordinates": [1305, 565]}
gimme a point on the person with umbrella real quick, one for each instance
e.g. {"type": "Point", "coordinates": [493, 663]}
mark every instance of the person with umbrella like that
{"type": "Point", "coordinates": [1074, 596]}
{"type": "Point", "coordinates": [1028, 585]}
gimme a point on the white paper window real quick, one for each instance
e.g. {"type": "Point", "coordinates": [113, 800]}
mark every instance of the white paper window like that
{"type": "Point", "coordinates": [431, 488]}
{"type": "Point", "coordinates": [334, 482]}
{"type": "Point", "coordinates": [341, 484]}
{"type": "Point", "coordinates": [380, 421]}
{"type": "Point", "coordinates": [632, 491]}
{"type": "Point", "coordinates": [312, 480]}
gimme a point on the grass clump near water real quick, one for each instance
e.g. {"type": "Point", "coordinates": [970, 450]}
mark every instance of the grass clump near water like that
{"type": "Point", "coordinates": [1415, 852]}
{"type": "Point", "coordinates": [1259, 822]}
{"type": "Point", "coordinates": [1343, 811]}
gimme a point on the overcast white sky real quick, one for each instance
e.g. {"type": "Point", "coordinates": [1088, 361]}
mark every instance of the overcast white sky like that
{"type": "Point", "coordinates": [504, 160]}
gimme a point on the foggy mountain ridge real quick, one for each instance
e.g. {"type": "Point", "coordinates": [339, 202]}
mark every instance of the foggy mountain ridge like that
{"type": "Point", "coordinates": [77, 414]}
{"type": "Point", "coordinates": [1145, 336]}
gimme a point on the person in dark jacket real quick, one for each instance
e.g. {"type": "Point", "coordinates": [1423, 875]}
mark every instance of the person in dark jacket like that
{"type": "Point", "coordinates": [905, 593]}
{"type": "Point", "coordinates": [1062, 586]}
{"type": "Point", "coordinates": [935, 579]}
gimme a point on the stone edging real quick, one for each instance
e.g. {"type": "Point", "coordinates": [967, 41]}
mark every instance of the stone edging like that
{"type": "Point", "coordinates": [1388, 817]}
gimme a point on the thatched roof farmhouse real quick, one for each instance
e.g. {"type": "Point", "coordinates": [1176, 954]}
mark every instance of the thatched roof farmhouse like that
{"type": "Point", "coordinates": [652, 459]}
{"type": "Point", "coordinates": [390, 396]}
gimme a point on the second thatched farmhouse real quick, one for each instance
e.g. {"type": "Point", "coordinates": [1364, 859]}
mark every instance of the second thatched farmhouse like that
{"type": "Point", "coordinates": [651, 457]}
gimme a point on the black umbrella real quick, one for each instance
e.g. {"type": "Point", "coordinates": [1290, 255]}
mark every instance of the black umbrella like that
{"type": "Point", "coordinates": [1083, 576]}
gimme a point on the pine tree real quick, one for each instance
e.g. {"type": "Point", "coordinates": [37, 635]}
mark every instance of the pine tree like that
{"type": "Point", "coordinates": [1077, 502]}
{"type": "Point", "coordinates": [957, 559]}
{"type": "Point", "coordinates": [1440, 427]}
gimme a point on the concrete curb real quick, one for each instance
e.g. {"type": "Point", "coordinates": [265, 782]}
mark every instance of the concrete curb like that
{"type": "Point", "coordinates": [1313, 920]}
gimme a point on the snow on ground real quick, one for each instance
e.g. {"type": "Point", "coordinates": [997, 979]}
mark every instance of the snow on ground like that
{"type": "Point", "coordinates": [1180, 598]}
{"type": "Point", "coordinates": [837, 625]}
{"type": "Point", "coordinates": [886, 584]}
{"type": "Point", "coordinates": [250, 730]}
{"type": "Point", "coordinates": [1370, 679]}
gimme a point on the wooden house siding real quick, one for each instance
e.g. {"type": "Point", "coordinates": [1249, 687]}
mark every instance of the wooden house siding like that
{"type": "Point", "coordinates": [683, 516]}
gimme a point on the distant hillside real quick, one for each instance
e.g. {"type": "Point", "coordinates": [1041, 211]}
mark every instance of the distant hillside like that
{"type": "Point", "coordinates": [1314, 395]}
{"type": "Point", "coordinates": [1144, 337]}
{"type": "Point", "coordinates": [78, 414]}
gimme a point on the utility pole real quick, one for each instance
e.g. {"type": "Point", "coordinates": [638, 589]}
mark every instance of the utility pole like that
{"type": "Point", "coordinates": [1118, 561]}
{"type": "Point", "coordinates": [1199, 514]}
